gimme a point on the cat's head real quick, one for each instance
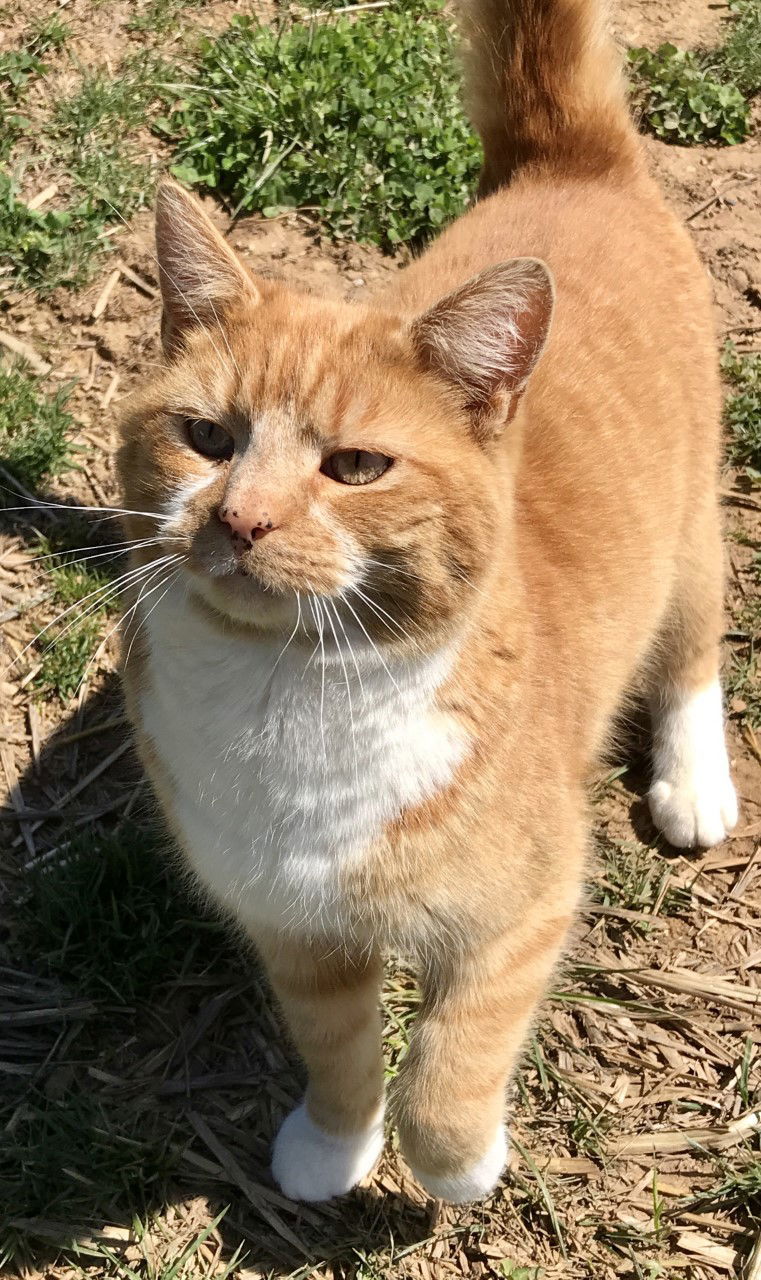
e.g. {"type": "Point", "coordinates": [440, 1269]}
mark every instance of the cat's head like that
{"type": "Point", "coordinates": [323, 460]}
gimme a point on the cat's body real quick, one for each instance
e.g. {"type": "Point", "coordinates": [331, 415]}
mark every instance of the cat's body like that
{"type": "Point", "coordinates": [307, 773]}
{"type": "Point", "coordinates": [383, 742]}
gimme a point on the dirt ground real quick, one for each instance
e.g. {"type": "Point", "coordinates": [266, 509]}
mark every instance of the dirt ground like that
{"type": "Point", "coordinates": [633, 1113]}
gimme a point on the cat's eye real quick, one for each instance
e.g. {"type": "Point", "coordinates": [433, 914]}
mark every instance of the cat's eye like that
{"type": "Point", "coordinates": [210, 439]}
{"type": "Point", "coordinates": [355, 466]}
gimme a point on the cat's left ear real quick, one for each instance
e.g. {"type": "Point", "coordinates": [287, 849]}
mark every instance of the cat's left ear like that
{"type": "Point", "coordinates": [487, 336]}
{"type": "Point", "coordinates": [200, 275]}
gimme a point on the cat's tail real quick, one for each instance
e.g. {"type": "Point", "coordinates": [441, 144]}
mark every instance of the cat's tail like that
{"type": "Point", "coordinates": [545, 86]}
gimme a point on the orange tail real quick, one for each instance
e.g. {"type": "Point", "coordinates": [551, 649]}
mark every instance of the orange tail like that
{"type": "Point", "coordinates": [545, 87]}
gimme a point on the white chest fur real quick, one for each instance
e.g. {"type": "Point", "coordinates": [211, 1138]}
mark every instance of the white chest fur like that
{"type": "Point", "coordinates": [286, 772]}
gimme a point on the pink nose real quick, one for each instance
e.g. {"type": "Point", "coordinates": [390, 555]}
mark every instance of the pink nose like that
{"type": "Point", "coordinates": [246, 524]}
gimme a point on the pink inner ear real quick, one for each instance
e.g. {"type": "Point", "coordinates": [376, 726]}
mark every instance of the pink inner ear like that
{"type": "Point", "coordinates": [488, 335]}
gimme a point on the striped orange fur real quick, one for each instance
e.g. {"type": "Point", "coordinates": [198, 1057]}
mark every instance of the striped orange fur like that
{"type": "Point", "coordinates": [370, 708]}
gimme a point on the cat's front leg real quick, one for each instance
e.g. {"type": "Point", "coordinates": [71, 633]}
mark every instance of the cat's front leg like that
{"type": "Point", "coordinates": [449, 1097]}
{"type": "Point", "coordinates": [330, 1000]}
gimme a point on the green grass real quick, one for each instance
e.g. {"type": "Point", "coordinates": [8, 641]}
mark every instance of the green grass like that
{"type": "Point", "coordinates": [18, 68]}
{"type": "Point", "coordinates": [360, 120]}
{"type": "Point", "coordinates": [36, 446]}
{"type": "Point", "coordinates": [515, 1272]}
{"type": "Point", "coordinates": [159, 17]}
{"type": "Point", "coordinates": [66, 648]}
{"type": "Point", "coordinates": [108, 175]}
{"type": "Point", "coordinates": [742, 676]}
{"type": "Point", "coordinates": [738, 61]}
{"type": "Point", "coordinates": [110, 1161]}
{"type": "Point", "coordinates": [681, 101]}
{"type": "Point", "coordinates": [635, 876]}
{"type": "Point", "coordinates": [742, 409]}
{"type": "Point", "coordinates": [20, 65]}
{"type": "Point", "coordinates": [47, 248]}
{"type": "Point", "coordinates": [699, 97]}
{"type": "Point", "coordinates": [112, 922]}
{"type": "Point", "coordinates": [742, 682]}
{"type": "Point", "coordinates": [92, 129]}
{"type": "Point", "coordinates": [82, 571]}
{"type": "Point", "coordinates": [35, 427]}
{"type": "Point", "coordinates": [742, 420]}
{"type": "Point", "coordinates": [108, 922]}
{"type": "Point", "coordinates": [738, 1192]}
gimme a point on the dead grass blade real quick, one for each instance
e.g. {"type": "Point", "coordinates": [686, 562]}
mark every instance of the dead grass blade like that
{"type": "Point", "coordinates": [545, 1194]}
{"type": "Point", "coordinates": [676, 1141]}
{"type": "Point", "coordinates": [259, 1197]}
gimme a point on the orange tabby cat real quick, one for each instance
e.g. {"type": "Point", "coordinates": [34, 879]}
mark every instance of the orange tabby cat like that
{"type": "Point", "coordinates": [411, 557]}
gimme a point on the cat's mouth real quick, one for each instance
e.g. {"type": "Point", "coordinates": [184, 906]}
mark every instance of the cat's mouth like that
{"type": "Point", "coordinates": [263, 572]}
{"type": "Point", "coordinates": [243, 597]}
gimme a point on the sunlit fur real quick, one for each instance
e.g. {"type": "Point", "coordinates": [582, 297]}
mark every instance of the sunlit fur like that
{"type": "Point", "coordinates": [371, 727]}
{"type": "Point", "coordinates": [303, 379]}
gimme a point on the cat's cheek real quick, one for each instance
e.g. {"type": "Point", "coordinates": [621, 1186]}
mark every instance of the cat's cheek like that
{"type": "Point", "coordinates": [178, 514]}
{"type": "Point", "coordinates": [310, 1164]}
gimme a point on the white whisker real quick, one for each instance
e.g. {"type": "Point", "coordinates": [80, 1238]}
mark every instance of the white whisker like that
{"type": "Point", "coordinates": [143, 595]}
{"type": "Point", "coordinates": [93, 608]}
{"type": "Point", "coordinates": [371, 642]}
{"type": "Point", "coordinates": [104, 592]}
{"type": "Point", "coordinates": [115, 549]}
{"type": "Point", "coordinates": [339, 620]}
{"type": "Point", "coordinates": [385, 617]}
{"type": "Point", "coordinates": [290, 638]}
{"type": "Point", "coordinates": [170, 583]}
{"type": "Point", "coordinates": [394, 568]}
{"type": "Point", "coordinates": [171, 574]}
{"type": "Point", "coordinates": [315, 607]}
{"type": "Point", "coordinates": [417, 577]}
{"type": "Point", "coordinates": [348, 687]}
{"type": "Point", "coordinates": [34, 503]}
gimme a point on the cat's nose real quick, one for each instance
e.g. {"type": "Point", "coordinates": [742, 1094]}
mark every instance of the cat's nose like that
{"type": "Point", "coordinates": [246, 523]}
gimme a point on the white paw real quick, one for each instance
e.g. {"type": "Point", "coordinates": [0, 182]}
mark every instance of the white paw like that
{"type": "Point", "coordinates": [702, 811]}
{"type": "Point", "coordinates": [473, 1183]}
{"type": "Point", "coordinates": [692, 800]}
{"type": "Point", "coordinates": [310, 1164]}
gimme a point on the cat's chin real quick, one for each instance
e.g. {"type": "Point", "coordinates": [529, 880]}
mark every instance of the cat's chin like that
{"type": "Point", "coordinates": [244, 601]}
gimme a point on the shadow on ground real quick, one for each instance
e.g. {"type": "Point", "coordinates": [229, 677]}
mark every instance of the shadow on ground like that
{"type": "Point", "coordinates": [143, 1063]}
{"type": "Point", "coordinates": [144, 1067]}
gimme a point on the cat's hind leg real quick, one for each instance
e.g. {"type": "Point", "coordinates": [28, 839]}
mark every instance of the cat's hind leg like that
{"type": "Point", "coordinates": [692, 799]}
{"type": "Point", "coordinates": [331, 1004]}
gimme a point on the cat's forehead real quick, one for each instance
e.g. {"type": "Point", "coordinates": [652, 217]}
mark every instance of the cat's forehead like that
{"type": "Point", "coordinates": [283, 373]}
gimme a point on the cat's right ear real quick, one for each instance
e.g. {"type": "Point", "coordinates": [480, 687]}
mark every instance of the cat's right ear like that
{"type": "Point", "coordinates": [199, 273]}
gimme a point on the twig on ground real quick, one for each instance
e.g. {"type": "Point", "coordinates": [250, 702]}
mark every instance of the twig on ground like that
{"type": "Point", "coordinates": [16, 796]}
{"type": "Point", "coordinates": [16, 612]}
{"type": "Point", "coordinates": [110, 391]}
{"type": "Point", "coordinates": [105, 293]}
{"type": "Point", "coordinates": [23, 349]}
{"type": "Point", "coordinates": [137, 280]}
{"type": "Point", "coordinates": [677, 1141]}
{"type": "Point", "coordinates": [740, 499]}
{"type": "Point", "coordinates": [753, 1271]}
{"type": "Point", "coordinates": [43, 196]}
